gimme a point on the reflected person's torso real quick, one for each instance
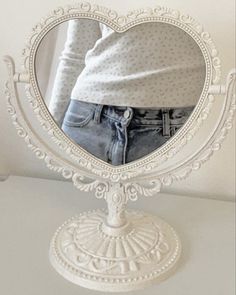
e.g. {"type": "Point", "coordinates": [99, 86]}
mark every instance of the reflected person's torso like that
{"type": "Point", "coordinates": [120, 96]}
{"type": "Point", "coordinates": [150, 65]}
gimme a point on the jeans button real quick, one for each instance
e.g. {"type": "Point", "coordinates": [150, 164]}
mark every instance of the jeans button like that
{"type": "Point", "coordinates": [126, 114]}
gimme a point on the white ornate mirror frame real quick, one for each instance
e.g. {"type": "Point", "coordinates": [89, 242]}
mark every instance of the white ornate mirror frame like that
{"type": "Point", "coordinates": [124, 250]}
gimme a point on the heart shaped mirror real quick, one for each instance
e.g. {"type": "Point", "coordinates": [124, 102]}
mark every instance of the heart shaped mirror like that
{"type": "Point", "coordinates": [119, 96]}
{"type": "Point", "coordinates": [122, 106]}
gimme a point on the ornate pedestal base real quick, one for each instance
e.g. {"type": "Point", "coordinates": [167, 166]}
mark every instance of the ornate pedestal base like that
{"type": "Point", "coordinates": [87, 252]}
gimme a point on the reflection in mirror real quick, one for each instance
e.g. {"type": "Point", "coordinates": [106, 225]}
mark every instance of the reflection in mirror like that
{"type": "Point", "coordinates": [120, 96]}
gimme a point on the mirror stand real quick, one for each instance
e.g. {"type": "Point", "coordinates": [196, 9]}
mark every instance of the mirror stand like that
{"type": "Point", "coordinates": [109, 250]}
{"type": "Point", "coordinates": [115, 251]}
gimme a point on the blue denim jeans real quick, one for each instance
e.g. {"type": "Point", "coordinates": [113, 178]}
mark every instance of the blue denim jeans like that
{"type": "Point", "coordinates": [118, 135]}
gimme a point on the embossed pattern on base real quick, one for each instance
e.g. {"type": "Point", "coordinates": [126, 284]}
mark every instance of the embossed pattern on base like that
{"type": "Point", "coordinates": [83, 253]}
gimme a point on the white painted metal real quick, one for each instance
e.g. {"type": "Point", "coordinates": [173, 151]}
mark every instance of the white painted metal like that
{"type": "Point", "coordinates": [138, 265]}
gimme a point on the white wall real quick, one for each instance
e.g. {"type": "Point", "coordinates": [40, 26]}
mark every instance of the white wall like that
{"type": "Point", "coordinates": [214, 180]}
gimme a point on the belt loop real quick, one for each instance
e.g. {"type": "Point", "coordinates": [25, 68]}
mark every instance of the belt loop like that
{"type": "Point", "coordinates": [166, 122]}
{"type": "Point", "coordinates": [97, 113]}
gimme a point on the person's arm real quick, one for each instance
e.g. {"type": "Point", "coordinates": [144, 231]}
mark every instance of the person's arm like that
{"type": "Point", "coordinates": [82, 34]}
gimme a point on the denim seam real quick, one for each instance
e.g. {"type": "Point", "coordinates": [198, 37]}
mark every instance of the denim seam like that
{"type": "Point", "coordinates": [98, 113]}
{"type": "Point", "coordinates": [125, 146]}
{"type": "Point", "coordinates": [159, 121]}
{"type": "Point", "coordinates": [113, 119]}
{"type": "Point", "coordinates": [80, 124]}
{"type": "Point", "coordinates": [110, 149]}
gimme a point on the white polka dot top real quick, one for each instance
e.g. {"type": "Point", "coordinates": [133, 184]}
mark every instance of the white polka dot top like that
{"type": "Point", "coordinates": [151, 65]}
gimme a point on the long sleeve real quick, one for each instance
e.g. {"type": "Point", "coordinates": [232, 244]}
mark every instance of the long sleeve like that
{"type": "Point", "coordinates": [150, 65]}
{"type": "Point", "coordinates": [82, 34]}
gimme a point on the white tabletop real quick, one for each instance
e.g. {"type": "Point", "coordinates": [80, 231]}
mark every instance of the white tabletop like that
{"type": "Point", "coordinates": [31, 210]}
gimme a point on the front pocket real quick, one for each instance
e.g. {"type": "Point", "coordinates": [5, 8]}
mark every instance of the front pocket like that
{"type": "Point", "coordinates": [78, 114]}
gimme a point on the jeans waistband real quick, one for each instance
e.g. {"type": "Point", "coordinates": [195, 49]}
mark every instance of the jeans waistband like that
{"type": "Point", "coordinates": [164, 117]}
{"type": "Point", "coordinates": [139, 112]}
{"type": "Point", "coordinates": [147, 113]}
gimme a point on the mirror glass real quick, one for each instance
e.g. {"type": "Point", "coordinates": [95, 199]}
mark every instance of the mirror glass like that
{"type": "Point", "coordinates": [120, 96]}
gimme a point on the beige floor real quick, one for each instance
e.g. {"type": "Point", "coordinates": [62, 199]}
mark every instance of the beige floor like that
{"type": "Point", "coordinates": [31, 210]}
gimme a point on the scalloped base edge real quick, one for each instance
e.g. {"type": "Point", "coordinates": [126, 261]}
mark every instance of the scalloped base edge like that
{"type": "Point", "coordinates": [67, 247]}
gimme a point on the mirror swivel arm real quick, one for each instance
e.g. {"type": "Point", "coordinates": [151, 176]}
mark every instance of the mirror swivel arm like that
{"type": "Point", "coordinates": [217, 89]}
{"type": "Point", "coordinates": [21, 78]}
{"type": "Point", "coordinates": [16, 77]}
{"type": "Point", "coordinates": [222, 89]}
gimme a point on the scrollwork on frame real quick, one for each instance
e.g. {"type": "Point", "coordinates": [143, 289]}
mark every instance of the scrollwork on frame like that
{"type": "Point", "coordinates": [86, 185]}
{"type": "Point", "coordinates": [147, 189]}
